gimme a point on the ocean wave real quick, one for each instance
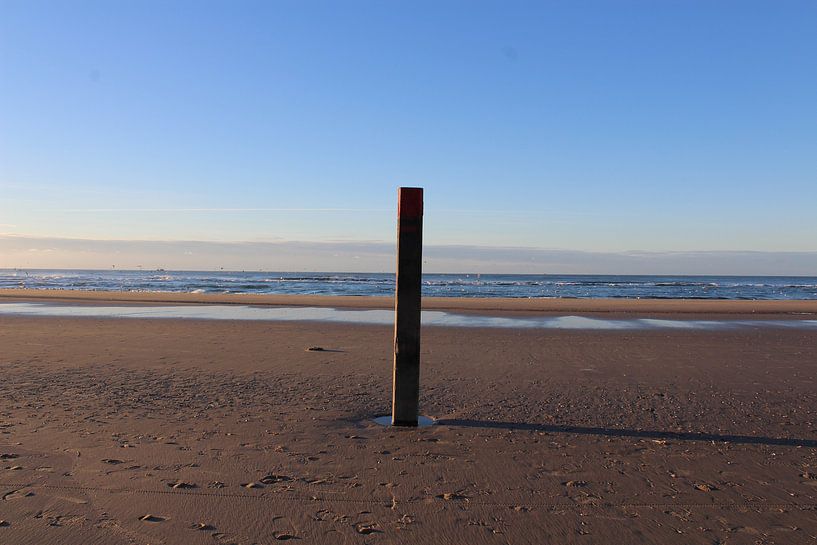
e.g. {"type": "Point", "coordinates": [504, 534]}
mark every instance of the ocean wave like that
{"type": "Point", "coordinates": [326, 279]}
{"type": "Point", "coordinates": [462, 285]}
{"type": "Point", "coordinates": [687, 284]}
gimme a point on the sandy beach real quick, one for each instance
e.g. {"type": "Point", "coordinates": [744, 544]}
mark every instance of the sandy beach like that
{"type": "Point", "coordinates": [148, 431]}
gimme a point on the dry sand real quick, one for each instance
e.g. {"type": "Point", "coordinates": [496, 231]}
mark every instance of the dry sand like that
{"type": "Point", "coordinates": [120, 431]}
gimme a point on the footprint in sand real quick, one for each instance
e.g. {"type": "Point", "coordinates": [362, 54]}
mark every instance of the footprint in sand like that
{"type": "Point", "coordinates": [575, 484]}
{"type": "Point", "coordinates": [366, 528]}
{"type": "Point", "coordinates": [113, 461]}
{"type": "Point", "coordinates": [181, 485]}
{"type": "Point", "coordinates": [252, 485]}
{"type": "Point", "coordinates": [17, 494]}
{"type": "Point", "coordinates": [272, 479]}
{"type": "Point", "coordinates": [77, 501]}
{"type": "Point", "coordinates": [203, 526]}
{"type": "Point", "coordinates": [451, 496]}
{"type": "Point", "coordinates": [283, 536]}
{"type": "Point", "coordinates": [152, 518]}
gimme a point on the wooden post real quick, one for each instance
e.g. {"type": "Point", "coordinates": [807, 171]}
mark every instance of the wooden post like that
{"type": "Point", "coordinates": [406, 391]}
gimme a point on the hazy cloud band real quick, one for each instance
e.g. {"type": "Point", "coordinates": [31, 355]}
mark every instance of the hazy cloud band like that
{"type": "Point", "coordinates": [41, 252]}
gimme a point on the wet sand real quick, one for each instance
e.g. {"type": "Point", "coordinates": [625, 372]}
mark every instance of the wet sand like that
{"type": "Point", "coordinates": [192, 431]}
{"type": "Point", "coordinates": [639, 307]}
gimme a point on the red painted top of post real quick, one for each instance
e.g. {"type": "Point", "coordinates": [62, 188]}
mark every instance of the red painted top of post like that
{"type": "Point", "coordinates": [410, 201]}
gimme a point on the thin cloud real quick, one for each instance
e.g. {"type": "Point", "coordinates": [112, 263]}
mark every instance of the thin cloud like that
{"type": "Point", "coordinates": [346, 256]}
{"type": "Point", "coordinates": [161, 210]}
{"type": "Point", "coordinates": [328, 209]}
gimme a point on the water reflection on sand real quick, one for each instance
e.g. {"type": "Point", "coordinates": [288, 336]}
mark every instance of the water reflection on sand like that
{"type": "Point", "coordinates": [379, 317]}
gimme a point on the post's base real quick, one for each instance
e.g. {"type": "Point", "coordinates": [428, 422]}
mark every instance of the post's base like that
{"type": "Point", "coordinates": [422, 422]}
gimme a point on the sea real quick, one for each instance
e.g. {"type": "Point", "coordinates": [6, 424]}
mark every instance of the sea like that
{"type": "Point", "coordinates": [434, 285]}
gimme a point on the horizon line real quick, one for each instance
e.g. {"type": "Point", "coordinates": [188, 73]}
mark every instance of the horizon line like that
{"type": "Point", "coordinates": [470, 273]}
{"type": "Point", "coordinates": [390, 242]}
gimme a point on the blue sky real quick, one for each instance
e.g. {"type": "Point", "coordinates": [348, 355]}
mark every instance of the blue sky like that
{"type": "Point", "coordinates": [588, 126]}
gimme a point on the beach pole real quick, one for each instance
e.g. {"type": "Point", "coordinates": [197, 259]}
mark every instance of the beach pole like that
{"type": "Point", "coordinates": [406, 390]}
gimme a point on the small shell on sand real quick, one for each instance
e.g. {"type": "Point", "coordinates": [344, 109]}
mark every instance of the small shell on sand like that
{"type": "Point", "coordinates": [151, 518]}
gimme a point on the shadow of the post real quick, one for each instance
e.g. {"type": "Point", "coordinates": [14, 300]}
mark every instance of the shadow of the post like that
{"type": "Point", "coordinates": [640, 434]}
